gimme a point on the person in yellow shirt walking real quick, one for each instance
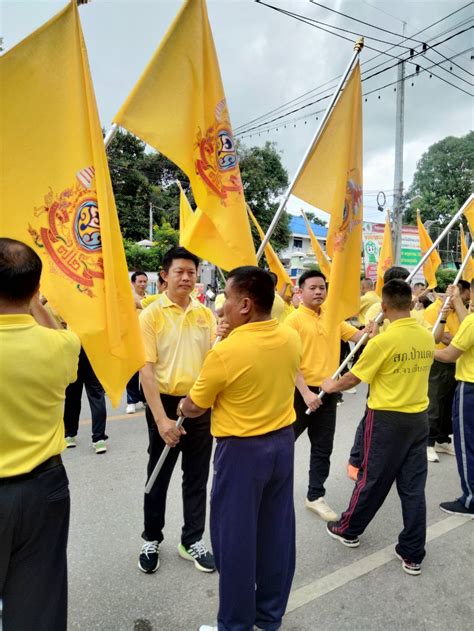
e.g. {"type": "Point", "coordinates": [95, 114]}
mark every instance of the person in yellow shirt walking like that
{"type": "Point", "coordinates": [37, 362]}
{"type": "Point", "coordinates": [461, 350]}
{"type": "Point", "coordinates": [321, 343]}
{"type": "Point", "coordinates": [248, 379]}
{"type": "Point", "coordinates": [178, 331]}
{"type": "Point", "coordinates": [396, 365]}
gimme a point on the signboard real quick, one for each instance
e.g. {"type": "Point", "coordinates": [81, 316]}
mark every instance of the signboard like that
{"type": "Point", "coordinates": [372, 237]}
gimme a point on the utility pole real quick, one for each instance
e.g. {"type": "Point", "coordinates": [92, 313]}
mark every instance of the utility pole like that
{"type": "Point", "coordinates": [151, 222]}
{"type": "Point", "coordinates": [398, 178]}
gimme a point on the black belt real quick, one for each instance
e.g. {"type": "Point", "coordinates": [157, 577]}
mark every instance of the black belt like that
{"type": "Point", "coordinates": [54, 461]}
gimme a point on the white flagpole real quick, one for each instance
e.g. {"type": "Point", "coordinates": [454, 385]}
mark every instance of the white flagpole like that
{"type": "Point", "coordinates": [110, 135]}
{"type": "Point", "coordinates": [357, 49]}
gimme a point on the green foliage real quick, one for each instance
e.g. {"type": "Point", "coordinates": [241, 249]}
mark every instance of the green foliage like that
{"type": "Point", "coordinates": [314, 219]}
{"type": "Point", "coordinates": [443, 178]}
{"type": "Point", "coordinates": [445, 277]}
{"type": "Point", "coordinates": [149, 259]}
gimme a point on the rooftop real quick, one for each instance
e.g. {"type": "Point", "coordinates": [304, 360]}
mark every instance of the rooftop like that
{"type": "Point", "coordinates": [298, 226]}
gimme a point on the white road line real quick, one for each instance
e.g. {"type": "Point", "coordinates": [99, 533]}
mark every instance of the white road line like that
{"type": "Point", "coordinates": [306, 594]}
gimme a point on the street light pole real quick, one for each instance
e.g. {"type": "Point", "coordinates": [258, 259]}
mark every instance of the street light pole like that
{"type": "Point", "coordinates": [398, 177]}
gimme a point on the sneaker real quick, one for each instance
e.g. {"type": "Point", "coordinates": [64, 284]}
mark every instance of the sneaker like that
{"type": "Point", "coordinates": [414, 569]}
{"type": "Point", "coordinates": [206, 627]}
{"type": "Point", "coordinates": [339, 403]}
{"type": "Point", "coordinates": [70, 442]}
{"type": "Point", "coordinates": [197, 552]}
{"type": "Point", "coordinates": [457, 508]}
{"type": "Point", "coordinates": [321, 508]}
{"type": "Point", "coordinates": [431, 454]}
{"type": "Point", "coordinates": [100, 447]}
{"type": "Point", "coordinates": [130, 408]}
{"type": "Point", "coordinates": [149, 559]}
{"type": "Point", "coordinates": [352, 472]}
{"type": "Point", "coordinates": [141, 405]}
{"type": "Point", "coordinates": [351, 391]}
{"type": "Point", "coordinates": [445, 448]}
{"type": "Point", "coordinates": [346, 540]}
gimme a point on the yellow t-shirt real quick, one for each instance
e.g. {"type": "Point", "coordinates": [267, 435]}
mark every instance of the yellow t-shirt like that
{"type": "Point", "coordinates": [397, 366]}
{"type": "Point", "coordinates": [464, 341]}
{"type": "Point", "coordinates": [176, 341]}
{"type": "Point", "coordinates": [249, 380]}
{"type": "Point", "coordinates": [278, 307]}
{"type": "Point", "coordinates": [147, 300]}
{"type": "Point", "coordinates": [36, 366]}
{"type": "Point", "coordinates": [367, 300]}
{"type": "Point", "coordinates": [431, 314]}
{"type": "Point", "coordinates": [321, 342]}
{"type": "Point", "coordinates": [374, 310]}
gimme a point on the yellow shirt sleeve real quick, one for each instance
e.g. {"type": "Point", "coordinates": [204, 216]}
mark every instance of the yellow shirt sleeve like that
{"type": "Point", "coordinates": [464, 338]}
{"type": "Point", "coordinates": [151, 323]}
{"type": "Point", "coordinates": [369, 362]}
{"type": "Point", "coordinates": [372, 312]}
{"type": "Point", "coordinates": [211, 380]}
{"type": "Point", "coordinates": [347, 331]}
{"type": "Point", "coordinates": [148, 300]}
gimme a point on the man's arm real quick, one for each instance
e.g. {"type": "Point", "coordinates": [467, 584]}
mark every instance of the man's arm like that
{"type": "Point", "coordinates": [346, 382]}
{"type": "Point", "coordinates": [309, 397]}
{"type": "Point", "coordinates": [40, 314]}
{"type": "Point", "coordinates": [459, 308]}
{"type": "Point", "coordinates": [189, 409]}
{"type": "Point", "coordinates": [166, 427]}
{"type": "Point", "coordinates": [448, 355]}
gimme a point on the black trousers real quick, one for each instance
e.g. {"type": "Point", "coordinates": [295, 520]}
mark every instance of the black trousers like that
{"type": "Point", "coordinates": [441, 389]}
{"type": "Point", "coordinates": [196, 449]}
{"type": "Point", "coordinates": [96, 396]}
{"type": "Point", "coordinates": [134, 391]}
{"type": "Point", "coordinates": [34, 525]}
{"type": "Point", "coordinates": [321, 426]}
{"type": "Point", "coordinates": [394, 451]}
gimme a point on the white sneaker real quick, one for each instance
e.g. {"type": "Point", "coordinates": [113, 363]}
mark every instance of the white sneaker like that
{"type": "Point", "coordinates": [206, 627]}
{"type": "Point", "coordinates": [70, 442]}
{"type": "Point", "coordinates": [130, 408]}
{"type": "Point", "coordinates": [321, 508]}
{"type": "Point", "coordinates": [140, 405]}
{"type": "Point", "coordinates": [100, 447]}
{"type": "Point", "coordinates": [445, 448]}
{"type": "Point", "coordinates": [351, 391]}
{"type": "Point", "coordinates": [431, 454]}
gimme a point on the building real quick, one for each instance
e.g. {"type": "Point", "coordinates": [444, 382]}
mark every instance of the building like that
{"type": "Point", "coordinates": [298, 256]}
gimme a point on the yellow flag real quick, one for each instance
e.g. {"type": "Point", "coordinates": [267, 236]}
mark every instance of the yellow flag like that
{"type": "Point", "coordinates": [469, 214]}
{"type": "Point", "coordinates": [332, 181]}
{"type": "Point", "coordinates": [468, 273]}
{"type": "Point", "coordinates": [178, 106]}
{"type": "Point", "coordinates": [274, 263]}
{"type": "Point", "coordinates": [323, 262]}
{"type": "Point", "coordinates": [385, 255]}
{"type": "Point", "coordinates": [56, 194]}
{"type": "Point", "coordinates": [434, 260]}
{"type": "Point", "coordinates": [186, 215]}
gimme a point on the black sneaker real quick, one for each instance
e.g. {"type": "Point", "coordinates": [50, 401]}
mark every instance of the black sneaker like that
{"type": "Point", "coordinates": [457, 508]}
{"type": "Point", "coordinates": [414, 569]}
{"type": "Point", "coordinates": [346, 540]}
{"type": "Point", "coordinates": [197, 552]}
{"type": "Point", "coordinates": [149, 559]}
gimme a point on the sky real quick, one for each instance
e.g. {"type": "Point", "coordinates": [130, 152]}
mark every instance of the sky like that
{"type": "Point", "coordinates": [267, 59]}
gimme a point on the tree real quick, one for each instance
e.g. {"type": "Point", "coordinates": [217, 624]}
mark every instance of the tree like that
{"type": "Point", "coordinates": [150, 259]}
{"type": "Point", "coordinates": [443, 179]}
{"type": "Point", "coordinates": [315, 219]}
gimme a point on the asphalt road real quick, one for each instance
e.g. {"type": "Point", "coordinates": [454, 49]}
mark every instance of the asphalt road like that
{"type": "Point", "coordinates": [334, 588]}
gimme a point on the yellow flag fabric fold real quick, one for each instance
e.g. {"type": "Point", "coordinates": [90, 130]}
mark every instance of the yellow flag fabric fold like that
{"type": "Point", "coordinates": [274, 263]}
{"type": "Point", "coordinates": [331, 180]}
{"type": "Point", "coordinates": [469, 214]}
{"type": "Point", "coordinates": [323, 261]}
{"type": "Point", "coordinates": [468, 273]}
{"type": "Point", "coordinates": [434, 260]}
{"type": "Point", "coordinates": [56, 194]}
{"type": "Point", "coordinates": [178, 107]}
{"type": "Point", "coordinates": [385, 255]}
{"type": "Point", "coordinates": [186, 215]}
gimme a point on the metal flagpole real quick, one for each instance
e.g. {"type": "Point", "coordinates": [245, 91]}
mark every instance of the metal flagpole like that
{"type": "Point", "coordinates": [357, 49]}
{"type": "Point", "coordinates": [419, 265]}
{"type": "Point", "coordinates": [456, 282]}
{"type": "Point", "coordinates": [110, 135]}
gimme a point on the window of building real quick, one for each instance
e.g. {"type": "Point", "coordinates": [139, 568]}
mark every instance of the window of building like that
{"type": "Point", "coordinates": [298, 243]}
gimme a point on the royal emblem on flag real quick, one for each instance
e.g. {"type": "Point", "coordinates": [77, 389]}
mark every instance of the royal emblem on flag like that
{"type": "Point", "coordinates": [351, 216]}
{"type": "Point", "coordinates": [216, 159]}
{"type": "Point", "coordinates": [69, 230]}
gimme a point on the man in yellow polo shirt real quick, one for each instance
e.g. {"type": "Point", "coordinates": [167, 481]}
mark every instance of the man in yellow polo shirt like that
{"type": "Point", "coordinates": [367, 299]}
{"type": "Point", "coordinates": [396, 365]}
{"type": "Point", "coordinates": [37, 362]}
{"type": "Point", "coordinates": [442, 383]}
{"type": "Point", "coordinates": [177, 332]}
{"type": "Point", "coordinates": [321, 344]}
{"type": "Point", "coordinates": [248, 379]}
{"type": "Point", "coordinates": [461, 350]}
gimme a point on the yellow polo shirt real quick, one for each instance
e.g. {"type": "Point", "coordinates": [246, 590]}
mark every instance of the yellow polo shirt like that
{"type": "Point", "coordinates": [278, 307]}
{"type": "Point", "coordinates": [374, 310]}
{"type": "Point", "coordinates": [366, 301]}
{"type": "Point", "coordinates": [148, 299]}
{"type": "Point", "coordinates": [176, 341]}
{"type": "Point", "coordinates": [36, 366]}
{"type": "Point", "coordinates": [397, 366]}
{"type": "Point", "coordinates": [431, 314]}
{"type": "Point", "coordinates": [321, 342]}
{"type": "Point", "coordinates": [464, 341]}
{"type": "Point", "coordinates": [249, 380]}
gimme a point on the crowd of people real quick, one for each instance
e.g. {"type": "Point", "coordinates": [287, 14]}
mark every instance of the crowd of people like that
{"type": "Point", "coordinates": [252, 376]}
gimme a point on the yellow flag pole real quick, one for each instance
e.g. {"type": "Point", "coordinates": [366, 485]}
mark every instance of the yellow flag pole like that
{"type": "Point", "coordinates": [357, 49]}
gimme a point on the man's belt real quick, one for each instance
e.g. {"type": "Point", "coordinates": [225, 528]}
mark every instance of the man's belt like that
{"type": "Point", "coordinates": [54, 461]}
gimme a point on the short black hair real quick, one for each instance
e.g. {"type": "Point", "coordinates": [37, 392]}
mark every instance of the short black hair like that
{"type": "Point", "coordinates": [255, 283]}
{"type": "Point", "coordinates": [274, 277]}
{"type": "Point", "coordinates": [161, 280]}
{"type": "Point", "coordinates": [419, 285]}
{"type": "Point", "coordinates": [178, 252]}
{"type": "Point", "coordinates": [312, 273]}
{"type": "Point", "coordinates": [20, 270]}
{"type": "Point", "coordinates": [395, 273]}
{"type": "Point", "coordinates": [139, 272]}
{"type": "Point", "coordinates": [425, 301]}
{"type": "Point", "coordinates": [464, 285]}
{"type": "Point", "coordinates": [396, 294]}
